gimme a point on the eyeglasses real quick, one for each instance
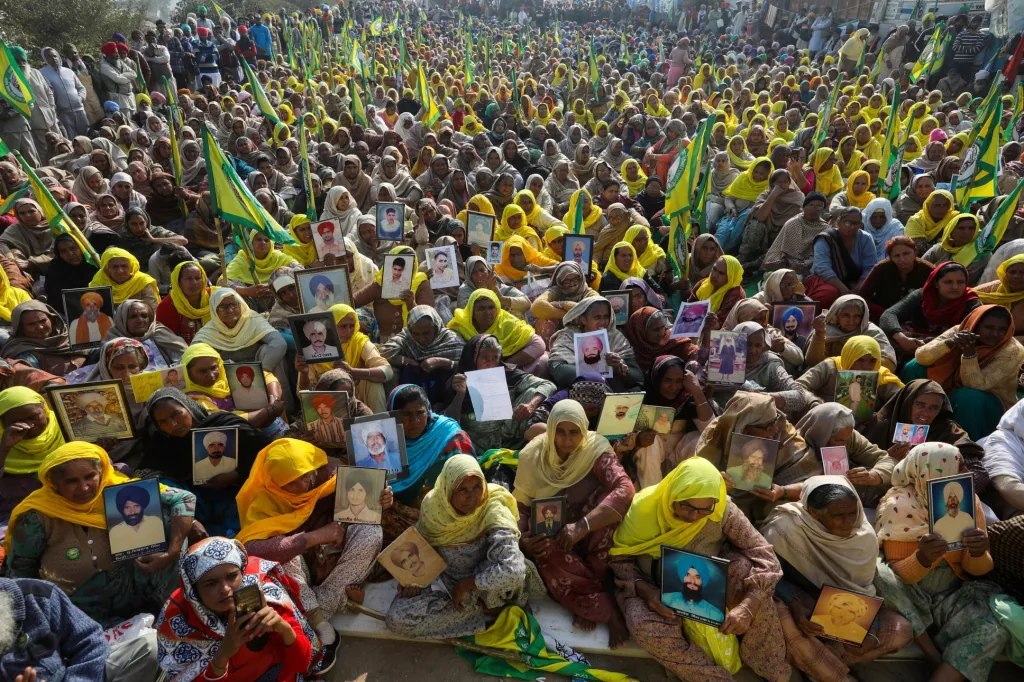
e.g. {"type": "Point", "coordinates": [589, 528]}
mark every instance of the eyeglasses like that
{"type": "Point", "coordinates": [229, 305]}
{"type": "Point", "coordinates": [704, 511]}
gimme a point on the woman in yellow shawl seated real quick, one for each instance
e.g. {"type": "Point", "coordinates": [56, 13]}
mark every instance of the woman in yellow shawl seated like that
{"type": "Point", "coordinates": [635, 178]}
{"type": "Point", "coordinates": [119, 270]}
{"type": "Point", "coordinates": [361, 360]}
{"type": "Point", "coordinates": [690, 510]}
{"type": "Point", "coordinates": [519, 258]}
{"type": "Point", "coordinates": [862, 353]}
{"type": "Point", "coordinates": [555, 250]}
{"type": "Point", "coordinates": [392, 313]}
{"type": "Point", "coordinates": [957, 245]}
{"type": "Point", "coordinates": [536, 217]}
{"type": "Point", "coordinates": [478, 203]}
{"type": "Point", "coordinates": [739, 157]}
{"type": "Point", "coordinates": [521, 346]}
{"type": "Point", "coordinates": [239, 334]}
{"type": "Point", "coordinates": [866, 142]}
{"type": "Point", "coordinates": [471, 126]}
{"type": "Point", "coordinates": [651, 257]}
{"type": "Point", "coordinates": [514, 223]}
{"type": "Point", "coordinates": [187, 307]}
{"type": "Point", "coordinates": [593, 219]}
{"type": "Point", "coordinates": [747, 187]}
{"type": "Point", "coordinates": [30, 433]}
{"type": "Point", "coordinates": [936, 213]}
{"type": "Point", "coordinates": [61, 536]}
{"type": "Point", "coordinates": [206, 382]}
{"type": "Point", "coordinates": [1006, 290]}
{"type": "Point", "coordinates": [655, 108]}
{"type": "Point", "coordinates": [287, 512]}
{"type": "Point", "coordinates": [722, 287]}
{"type": "Point", "coordinates": [849, 158]}
{"type": "Point", "coordinates": [304, 252]}
{"type": "Point", "coordinates": [823, 172]}
{"type": "Point", "coordinates": [474, 526]}
{"type": "Point", "coordinates": [856, 193]}
{"type": "Point", "coordinates": [252, 279]}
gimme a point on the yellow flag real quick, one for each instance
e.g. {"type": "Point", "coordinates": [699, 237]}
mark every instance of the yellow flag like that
{"type": "Point", "coordinates": [13, 86]}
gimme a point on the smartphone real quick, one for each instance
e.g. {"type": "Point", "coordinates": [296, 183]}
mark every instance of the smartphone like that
{"type": "Point", "coordinates": [248, 599]}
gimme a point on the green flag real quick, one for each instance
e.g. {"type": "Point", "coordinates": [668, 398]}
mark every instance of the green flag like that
{"type": "Point", "coordinates": [892, 152]}
{"type": "Point", "coordinates": [595, 74]}
{"type": "Point", "coordinates": [358, 111]}
{"type": "Point", "coordinates": [469, 59]}
{"type": "Point", "coordinates": [258, 94]}
{"type": "Point", "coordinates": [821, 129]}
{"type": "Point", "coordinates": [980, 160]}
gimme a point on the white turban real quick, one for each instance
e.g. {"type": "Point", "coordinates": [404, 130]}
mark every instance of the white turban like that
{"type": "Point", "coordinates": [215, 437]}
{"type": "Point", "coordinates": [953, 489]}
{"type": "Point", "coordinates": [83, 399]}
{"type": "Point", "coordinates": [313, 326]}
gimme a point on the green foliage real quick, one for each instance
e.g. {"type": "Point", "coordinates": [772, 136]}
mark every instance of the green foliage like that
{"type": "Point", "coordinates": [86, 23]}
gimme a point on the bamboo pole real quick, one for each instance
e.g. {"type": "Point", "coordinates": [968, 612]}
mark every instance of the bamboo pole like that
{"type": "Point", "coordinates": [220, 247]}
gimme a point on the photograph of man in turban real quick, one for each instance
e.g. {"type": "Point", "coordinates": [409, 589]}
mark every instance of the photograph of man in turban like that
{"type": "Point", "coordinates": [92, 325]}
{"type": "Point", "coordinates": [328, 428]}
{"type": "Point", "coordinates": [96, 422]}
{"type": "Point", "coordinates": [214, 453]}
{"type": "Point", "coordinates": [136, 529]}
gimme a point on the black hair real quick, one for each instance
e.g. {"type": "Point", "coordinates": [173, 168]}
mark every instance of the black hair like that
{"type": "Point", "coordinates": [609, 183]}
{"type": "Point", "coordinates": [824, 495]}
{"type": "Point", "coordinates": [399, 262]}
{"type": "Point", "coordinates": [410, 395]}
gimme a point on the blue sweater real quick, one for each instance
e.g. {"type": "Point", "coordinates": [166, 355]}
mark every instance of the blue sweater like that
{"type": "Point", "coordinates": [54, 636]}
{"type": "Point", "coordinates": [863, 255]}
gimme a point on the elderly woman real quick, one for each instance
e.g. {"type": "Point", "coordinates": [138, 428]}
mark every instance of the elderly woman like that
{"type": "Point", "coordinates": [483, 314]}
{"type": "Point", "coordinates": [212, 640]}
{"type": "Point", "coordinates": [251, 278]}
{"type": "Point", "coordinates": [1004, 463]}
{"type": "Point", "coordinates": [826, 539]}
{"type": "Point", "coordinates": [119, 270]}
{"type": "Point", "coordinates": [755, 414]}
{"type": "Point", "coordinates": [29, 239]}
{"type": "Point", "coordinates": [425, 352]}
{"type": "Point", "coordinates": [925, 226]}
{"type": "Point", "coordinates": [573, 461]}
{"type": "Point", "coordinates": [846, 318]}
{"type": "Point", "coordinates": [843, 257]}
{"type": "Point", "coordinates": [772, 208]}
{"type": "Point", "coordinates": [474, 526]}
{"type": "Point", "coordinates": [287, 512]}
{"type": "Point", "coordinates": [187, 307]}
{"type": "Point", "coordinates": [722, 287]}
{"type": "Point", "coordinates": [55, 525]}
{"type": "Point", "coordinates": [859, 353]}
{"type": "Point", "coordinates": [40, 338]}
{"type": "Point", "coordinates": [648, 330]}
{"type": "Point", "coordinates": [134, 319]}
{"type": "Point", "coordinates": [240, 334]}
{"type": "Point", "coordinates": [568, 287]}
{"type": "Point", "coordinates": [941, 591]}
{"type": "Point", "coordinates": [561, 185]}
{"type": "Point", "coordinates": [30, 433]}
{"type": "Point", "coordinates": [593, 314]}
{"type": "Point", "coordinates": [690, 510]}
{"type": "Point", "coordinates": [526, 391]}
{"type": "Point", "coordinates": [480, 275]}
{"type": "Point", "coordinates": [767, 370]}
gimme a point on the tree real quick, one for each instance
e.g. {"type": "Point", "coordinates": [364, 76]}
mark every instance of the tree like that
{"type": "Point", "coordinates": [86, 23]}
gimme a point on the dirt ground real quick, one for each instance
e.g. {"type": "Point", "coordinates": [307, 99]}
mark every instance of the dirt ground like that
{"type": "Point", "coordinates": [373, 660]}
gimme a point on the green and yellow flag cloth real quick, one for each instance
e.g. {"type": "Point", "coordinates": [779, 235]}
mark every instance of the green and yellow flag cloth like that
{"type": "Point", "coordinates": [14, 86]}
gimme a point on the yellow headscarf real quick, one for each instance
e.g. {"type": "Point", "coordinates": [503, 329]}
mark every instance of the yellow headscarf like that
{"type": "Point", "coordinates": [238, 268]}
{"type": "Point", "coordinates": [220, 388]}
{"type": "Point", "coordinates": [533, 257]}
{"type": "Point", "coordinates": [418, 278]}
{"type": "Point", "coordinates": [137, 281]}
{"type": "Point", "coordinates": [1003, 296]}
{"type": "Point", "coordinates": [354, 347]}
{"type": "Point", "coordinates": [859, 200]}
{"type": "Point", "coordinates": [471, 126]}
{"type": "Point", "coordinates": [478, 203]}
{"type": "Point", "coordinates": [559, 230]}
{"type": "Point", "coordinates": [504, 232]}
{"type": "Point", "coordinates": [735, 158]}
{"type": "Point", "coordinates": [947, 238]}
{"type": "Point", "coordinates": [532, 216]}
{"type": "Point", "coordinates": [652, 254]}
{"type": "Point", "coordinates": [513, 334]}
{"type": "Point", "coordinates": [635, 186]}
{"type": "Point", "coordinates": [658, 110]}
{"type": "Point", "coordinates": [180, 300]}
{"type": "Point", "coordinates": [442, 526]}
{"type": "Point", "coordinates": [25, 457]}
{"type": "Point", "coordinates": [300, 251]}
{"type": "Point", "coordinates": [49, 502]}
{"type": "Point", "coordinates": [635, 270]}
{"type": "Point", "coordinates": [857, 347]}
{"type": "Point", "coordinates": [963, 137]}
{"type": "Point", "coordinates": [589, 219]}
{"type": "Point", "coordinates": [10, 297]}
{"type": "Point", "coordinates": [650, 521]}
{"type": "Point", "coordinates": [856, 159]}
{"type": "Point", "coordinates": [734, 277]}
{"type": "Point", "coordinates": [829, 182]}
{"type": "Point", "coordinates": [745, 187]}
{"type": "Point", "coordinates": [264, 506]}
{"type": "Point", "coordinates": [921, 225]}
{"type": "Point", "coordinates": [871, 149]}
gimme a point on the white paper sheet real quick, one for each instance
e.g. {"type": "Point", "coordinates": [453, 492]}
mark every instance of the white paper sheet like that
{"type": "Point", "coordinates": [489, 392]}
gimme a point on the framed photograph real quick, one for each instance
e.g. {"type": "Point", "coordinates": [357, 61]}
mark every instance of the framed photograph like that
{"type": "Point", "coordinates": [411, 560]}
{"type": "Point", "coordinates": [214, 452]}
{"type": "Point", "coordinates": [377, 441]}
{"type": "Point", "coordinates": [751, 461]}
{"type": "Point", "coordinates": [845, 616]}
{"type": "Point", "coordinates": [579, 249]}
{"type": "Point", "coordinates": [619, 414]}
{"type": "Point", "coordinates": [693, 585]}
{"type": "Point", "coordinates": [795, 320]}
{"type": "Point", "coordinates": [321, 288]}
{"type": "Point", "coordinates": [658, 419]}
{"type": "Point", "coordinates": [357, 495]}
{"type": "Point", "coordinates": [690, 320]}
{"type": "Point", "coordinates": [135, 524]}
{"type": "Point", "coordinates": [324, 414]}
{"type": "Point", "coordinates": [834, 461]}
{"type": "Point", "coordinates": [479, 229]}
{"type": "Point", "coordinates": [248, 385]}
{"type": "Point", "coordinates": [89, 313]}
{"type": "Point", "coordinates": [494, 252]}
{"type": "Point", "coordinates": [316, 337]}
{"type": "Point", "coordinates": [620, 305]}
{"type": "Point", "coordinates": [248, 599]}
{"type": "Point", "coordinates": [93, 411]}
{"type": "Point", "coordinates": [397, 275]}
{"type": "Point", "coordinates": [727, 364]}
{"type": "Point", "coordinates": [328, 239]}
{"type": "Point", "coordinates": [145, 384]}
{"type": "Point", "coordinates": [443, 269]}
{"type": "Point", "coordinates": [592, 352]}
{"type": "Point", "coordinates": [915, 434]}
{"type": "Point", "coordinates": [390, 221]}
{"type": "Point", "coordinates": [547, 515]}
{"type": "Point", "coordinates": [951, 507]}
{"type": "Point", "coordinates": [858, 391]}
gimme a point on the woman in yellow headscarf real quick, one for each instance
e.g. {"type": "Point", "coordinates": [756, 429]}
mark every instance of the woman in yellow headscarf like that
{"type": "Point", "coordinates": [827, 178]}
{"type": "Point", "coordinates": [119, 270]}
{"type": "Point", "coordinates": [622, 264]}
{"type": "Point", "coordinates": [1007, 290]}
{"type": "Point", "coordinates": [267, 259]}
{"type": "Point", "coordinates": [392, 313]}
{"type": "Point", "coordinates": [473, 524]}
{"type": "Point", "coordinates": [290, 492]}
{"type": "Point", "coordinates": [517, 255]}
{"type": "Point", "coordinates": [514, 223]}
{"type": "Point", "coordinates": [650, 256]}
{"type": "Point", "coordinates": [25, 411]}
{"type": "Point", "coordinates": [206, 382]}
{"type": "Point", "coordinates": [739, 157]}
{"type": "Point", "coordinates": [866, 142]}
{"type": "Point", "coordinates": [304, 251]}
{"type": "Point", "coordinates": [936, 213]}
{"type": "Point", "coordinates": [471, 126]}
{"type": "Point", "coordinates": [702, 77]}
{"type": "Point", "coordinates": [655, 108]}
{"type": "Point", "coordinates": [722, 286]}
{"type": "Point", "coordinates": [913, 149]}
{"type": "Point", "coordinates": [860, 352]}
{"type": "Point", "coordinates": [593, 218]}
{"type": "Point", "coordinates": [483, 315]}
{"type": "Point", "coordinates": [849, 157]}
{"type": "Point", "coordinates": [56, 534]}
{"type": "Point", "coordinates": [857, 193]}
{"type": "Point", "coordinates": [10, 297]}
{"type": "Point", "coordinates": [554, 237]}
{"type": "Point", "coordinates": [187, 307]}
{"type": "Point", "coordinates": [636, 179]}
{"type": "Point", "coordinates": [478, 203]}
{"type": "Point", "coordinates": [956, 144]}
{"type": "Point", "coordinates": [536, 217]}
{"type": "Point", "coordinates": [957, 244]}
{"type": "Point", "coordinates": [751, 182]}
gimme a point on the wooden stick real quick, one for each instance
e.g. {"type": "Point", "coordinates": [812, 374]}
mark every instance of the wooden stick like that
{"type": "Point", "coordinates": [220, 247]}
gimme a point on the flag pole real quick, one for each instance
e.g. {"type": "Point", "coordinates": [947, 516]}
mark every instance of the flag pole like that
{"type": "Point", "coordinates": [220, 247]}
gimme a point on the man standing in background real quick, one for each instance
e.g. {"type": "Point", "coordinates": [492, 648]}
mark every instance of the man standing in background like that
{"type": "Point", "coordinates": [68, 92]}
